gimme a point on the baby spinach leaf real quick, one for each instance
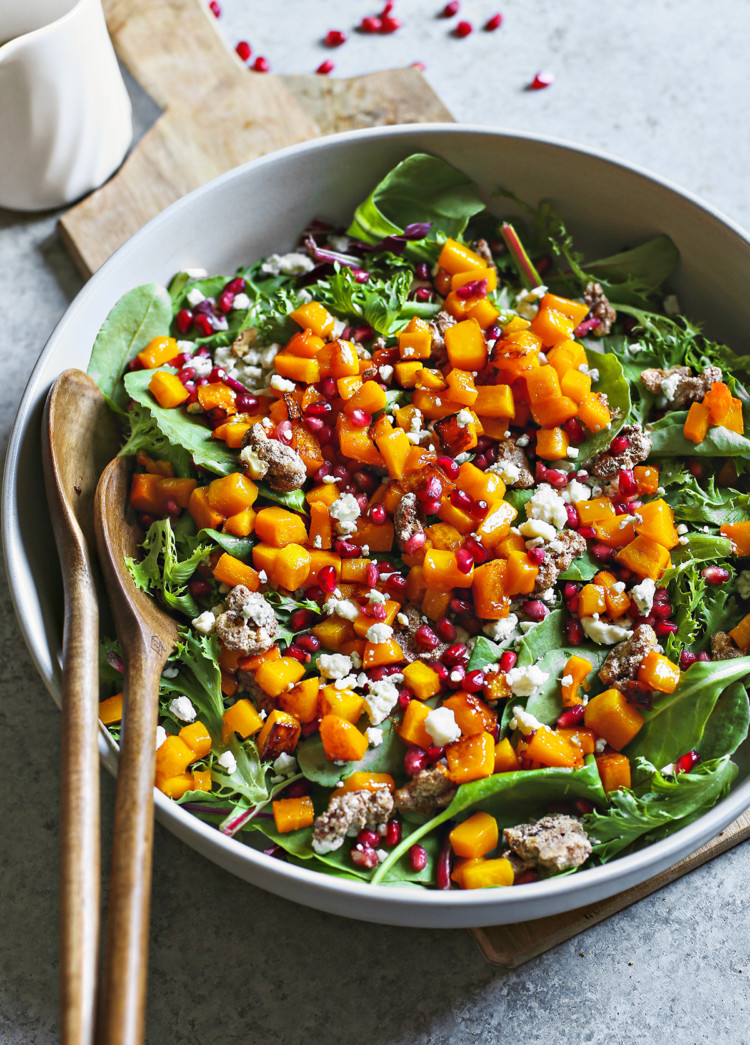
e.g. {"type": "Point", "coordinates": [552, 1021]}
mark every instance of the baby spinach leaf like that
{"type": "Point", "coordinates": [239, 547]}
{"type": "Point", "coordinates": [727, 725]}
{"type": "Point", "coordinates": [676, 722]}
{"type": "Point", "coordinates": [294, 499]}
{"type": "Point", "coordinates": [140, 315]}
{"type": "Point", "coordinates": [144, 434]}
{"type": "Point", "coordinates": [668, 804]}
{"type": "Point", "coordinates": [511, 798]}
{"type": "Point", "coordinates": [581, 569]}
{"type": "Point", "coordinates": [668, 439]}
{"type": "Point", "coordinates": [246, 785]}
{"type": "Point", "coordinates": [421, 188]}
{"type": "Point", "coordinates": [485, 652]}
{"type": "Point", "coordinates": [180, 428]}
{"type": "Point", "coordinates": [518, 498]}
{"type": "Point", "coordinates": [543, 637]}
{"type": "Point", "coordinates": [387, 757]}
{"type": "Point", "coordinates": [612, 381]}
{"type": "Point", "coordinates": [545, 703]}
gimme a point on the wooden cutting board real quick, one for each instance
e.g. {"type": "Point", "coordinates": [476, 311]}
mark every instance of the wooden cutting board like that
{"type": "Point", "coordinates": [217, 114]}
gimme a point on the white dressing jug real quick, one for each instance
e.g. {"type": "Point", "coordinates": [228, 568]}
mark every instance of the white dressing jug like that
{"type": "Point", "coordinates": [65, 115]}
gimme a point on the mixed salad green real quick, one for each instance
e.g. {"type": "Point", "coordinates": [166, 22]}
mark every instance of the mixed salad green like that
{"type": "Point", "coordinates": [376, 278]}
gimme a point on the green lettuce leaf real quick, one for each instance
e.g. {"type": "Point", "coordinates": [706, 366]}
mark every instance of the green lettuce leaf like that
{"type": "Point", "coordinates": [199, 678]}
{"type": "Point", "coordinates": [612, 381]}
{"type": "Point", "coordinates": [162, 572]}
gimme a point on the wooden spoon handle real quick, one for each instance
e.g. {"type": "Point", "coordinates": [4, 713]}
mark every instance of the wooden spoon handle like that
{"type": "Point", "coordinates": [79, 813]}
{"type": "Point", "coordinates": [126, 962]}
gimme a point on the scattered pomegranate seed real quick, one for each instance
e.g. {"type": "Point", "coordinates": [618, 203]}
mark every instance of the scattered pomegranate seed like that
{"type": "Point", "coordinates": [664, 628]}
{"type": "Point", "coordinates": [415, 760]}
{"type": "Point", "coordinates": [414, 543]}
{"type": "Point", "coordinates": [215, 8]}
{"type": "Point", "coordinates": [261, 65]}
{"type": "Point", "coordinates": [456, 677]}
{"type": "Point", "coordinates": [184, 320]}
{"type": "Point", "coordinates": [687, 658]}
{"type": "Point", "coordinates": [244, 50]}
{"type": "Point", "coordinates": [571, 717]}
{"type": "Point", "coordinates": [537, 555]}
{"type": "Point", "coordinates": [423, 294]}
{"type": "Point", "coordinates": [574, 519]}
{"type": "Point", "coordinates": [586, 326]}
{"type": "Point", "coordinates": [474, 680]}
{"type": "Point", "coordinates": [360, 418]}
{"type": "Point", "coordinates": [493, 23]}
{"type": "Point", "coordinates": [556, 477]}
{"type": "Point", "coordinates": [455, 654]}
{"type": "Point", "coordinates": [450, 9]}
{"type": "Point", "coordinates": [464, 560]}
{"type": "Point", "coordinates": [371, 574]}
{"type": "Point", "coordinates": [434, 754]}
{"type": "Point", "coordinates": [535, 609]}
{"type": "Point", "coordinates": [508, 660]}
{"type": "Point", "coordinates": [446, 629]}
{"type": "Point", "coordinates": [368, 839]}
{"type": "Point", "coordinates": [540, 81]}
{"type": "Point", "coordinates": [619, 445]}
{"type": "Point", "coordinates": [463, 29]}
{"type": "Point", "coordinates": [298, 653]}
{"type": "Point", "coordinates": [396, 585]}
{"type": "Point", "coordinates": [574, 631]}
{"type": "Point", "coordinates": [327, 579]}
{"type": "Point", "coordinates": [200, 588]}
{"type": "Point", "coordinates": [459, 606]}
{"type": "Point", "coordinates": [334, 38]}
{"type": "Point", "coordinates": [370, 24]}
{"type": "Point", "coordinates": [426, 638]}
{"type": "Point", "coordinates": [417, 858]}
{"type": "Point", "coordinates": [461, 499]}
{"type": "Point", "coordinates": [687, 762]}
{"type": "Point", "coordinates": [587, 532]}
{"type": "Point", "coordinates": [715, 575]}
{"type": "Point", "coordinates": [363, 856]}
{"type": "Point", "coordinates": [704, 658]}
{"type": "Point", "coordinates": [476, 549]}
{"type": "Point", "coordinates": [301, 619]}
{"type": "Point", "coordinates": [696, 469]}
{"type": "Point", "coordinates": [325, 67]}
{"type": "Point", "coordinates": [309, 643]}
{"type": "Point", "coordinates": [392, 832]}
{"type": "Point", "coordinates": [203, 324]}
{"type": "Point", "coordinates": [602, 552]}
{"type": "Point", "coordinates": [662, 610]}
{"type": "Point", "coordinates": [626, 484]}
{"type": "Point", "coordinates": [389, 25]}
{"type": "Point", "coordinates": [186, 375]}
{"type": "Point", "coordinates": [575, 431]}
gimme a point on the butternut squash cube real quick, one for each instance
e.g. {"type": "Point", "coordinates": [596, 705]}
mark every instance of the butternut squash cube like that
{"type": "Point", "coordinates": [472, 714]}
{"type": "Point", "coordinates": [173, 757]}
{"type": "Point", "coordinates": [292, 814]}
{"type": "Point", "coordinates": [495, 401]}
{"type": "Point", "coordinates": [657, 522]}
{"type": "Point", "coordinates": [275, 677]}
{"type": "Point", "coordinates": [232, 571]}
{"type": "Point", "coordinates": [167, 389]}
{"type": "Point", "coordinates": [412, 729]}
{"type": "Point", "coordinates": [291, 568]}
{"type": "Point", "coordinates": [279, 527]}
{"type": "Point", "coordinates": [645, 557]}
{"type": "Point", "coordinates": [506, 760]}
{"type": "Point", "coordinates": [614, 771]}
{"type": "Point", "coordinates": [610, 716]}
{"type": "Point", "coordinates": [157, 352]}
{"type": "Point", "coordinates": [302, 700]}
{"type": "Point", "coordinates": [343, 702]}
{"type": "Point", "coordinates": [739, 535]}
{"type": "Point", "coordinates": [550, 748]}
{"type": "Point", "coordinates": [363, 781]}
{"type": "Point", "coordinates": [487, 874]}
{"type": "Point", "coordinates": [197, 737]}
{"type": "Point", "coordinates": [475, 837]}
{"type": "Point", "coordinates": [659, 673]}
{"type": "Point", "coordinates": [342, 741]}
{"type": "Point", "coordinates": [242, 718]}
{"type": "Point", "coordinates": [470, 758]}
{"type": "Point", "coordinates": [422, 680]}
{"type": "Point", "coordinates": [441, 570]}
{"type": "Point", "coordinates": [279, 735]}
{"type": "Point", "coordinates": [465, 344]}
{"type": "Point", "coordinates": [110, 710]}
{"type": "Point", "coordinates": [315, 317]}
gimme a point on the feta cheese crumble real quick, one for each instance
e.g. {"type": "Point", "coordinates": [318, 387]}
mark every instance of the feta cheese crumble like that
{"type": "Point", "coordinates": [227, 761]}
{"type": "Point", "coordinates": [524, 721]}
{"type": "Point", "coordinates": [643, 595]}
{"type": "Point", "coordinates": [442, 726]}
{"type": "Point", "coordinates": [379, 632]}
{"type": "Point", "coordinates": [547, 506]}
{"type": "Point", "coordinates": [381, 698]}
{"type": "Point", "coordinates": [525, 681]}
{"type": "Point", "coordinates": [345, 512]}
{"type": "Point", "coordinates": [182, 708]}
{"type": "Point", "coordinates": [204, 623]}
{"type": "Point", "coordinates": [602, 633]}
{"type": "Point", "coordinates": [334, 665]}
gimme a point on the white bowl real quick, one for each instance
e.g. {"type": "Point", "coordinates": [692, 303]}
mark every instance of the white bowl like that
{"type": "Point", "coordinates": [260, 208]}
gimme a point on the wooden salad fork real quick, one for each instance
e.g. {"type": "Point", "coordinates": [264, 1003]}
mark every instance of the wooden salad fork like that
{"type": "Point", "coordinates": [79, 436]}
{"type": "Point", "coordinates": [147, 636]}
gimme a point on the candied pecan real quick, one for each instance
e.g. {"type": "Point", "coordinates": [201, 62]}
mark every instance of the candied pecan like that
{"type": "Point", "coordinates": [406, 519]}
{"type": "Point", "coordinates": [679, 386]}
{"type": "Point", "coordinates": [509, 452]}
{"type": "Point", "coordinates": [244, 342]}
{"type": "Point", "coordinates": [625, 658]}
{"type": "Point", "coordinates": [438, 327]}
{"type": "Point", "coordinates": [263, 457]}
{"type": "Point", "coordinates": [607, 465]}
{"type": "Point", "coordinates": [554, 843]}
{"type": "Point", "coordinates": [404, 635]}
{"type": "Point", "coordinates": [599, 308]}
{"type": "Point", "coordinates": [559, 554]}
{"type": "Point", "coordinates": [722, 647]}
{"type": "Point", "coordinates": [429, 790]}
{"type": "Point", "coordinates": [348, 814]}
{"type": "Point", "coordinates": [249, 625]}
{"type": "Point", "coordinates": [482, 248]}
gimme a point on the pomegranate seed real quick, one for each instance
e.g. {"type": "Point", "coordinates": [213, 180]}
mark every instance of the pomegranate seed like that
{"type": "Point", "coordinates": [571, 717]}
{"type": "Point", "coordinates": [299, 654]}
{"type": "Point", "coordinates": [476, 549]}
{"type": "Point", "coordinates": [284, 432]}
{"type": "Point", "coordinates": [455, 654]}
{"type": "Point", "coordinates": [432, 489]}
{"type": "Point", "coordinates": [662, 610]}
{"type": "Point", "coordinates": [184, 320]}
{"type": "Point", "coordinates": [325, 67]}
{"type": "Point", "coordinates": [414, 543]}
{"type": "Point", "coordinates": [325, 435]}
{"type": "Point", "coordinates": [460, 499]}
{"type": "Point", "coordinates": [368, 839]}
{"type": "Point", "coordinates": [371, 574]}
{"type": "Point", "coordinates": [703, 658]}
{"type": "Point", "coordinates": [363, 856]}
{"type": "Point", "coordinates": [422, 270]}
{"type": "Point", "coordinates": [261, 65]}
{"type": "Point", "coordinates": [508, 660]}
{"type": "Point", "coordinates": [301, 619]}
{"type": "Point", "coordinates": [415, 760]}
{"type": "Point", "coordinates": [377, 611]}
{"type": "Point", "coordinates": [696, 469]}
{"type": "Point", "coordinates": [661, 595]}
{"type": "Point", "coordinates": [540, 81]}
{"type": "Point", "coordinates": [216, 375]}
{"type": "Point", "coordinates": [314, 424]}
{"type": "Point", "coordinates": [426, 638]}
{"type": "Point", "coordinates": [200, 588]}
{"type": "Point", "coordinates": [396, 585]}
{"type": "Point", "coordinates": [459, 606]}
{"type": "Point", "coordinates": [236, 285]}
{"type": "Point", "coordinates": [448, 466]}
{"type": "Point", "coordinates": [475, 288]}
{"type": "Point", "coordinates": [360, 418]}
{"type": "Point", "coordinates": [574, 632]}
{"type": "Point", "coordinates": [464, 560]}
{"type": "Point", "coordinates": [348, 549]}
{"type": "Point", "coordinates": [474, 680]}
{"type": "Point", "coordinates": [431, 507]}
{"type": "Point", "coordinates": [327, 579]}
{"type": "Point", "coordinates": [715, 575]}
{"type": "Point", "coordinates": [446, 629]}
{"type": "Point", "coordinates": [569, 590]}
{"type": "Point", "coordinates": [203, 324]}
{"type": "Point", "coordinates": [434, 754]}
{"type": "Point", "coordinates": [244, 50]}
{"type": "Point", "coordinates": [535, 609]}
{"type": "Point", "coordinates": [586, 326]}
{"type": "Point", "coordinates": [480, 462]}
{"type": "Point", "coordinates": [404, 699]}
{"type": "Point", "coordinates": [370, 24]}
{"type": "Point", "coordinates": [215, 8]}
{"type": "Point", "coordinates": [417, 858]}
{"type": "Point", "coordinates": [687, 762]}
{"type": "Point", "coordinates": [442, 673]}
{"type": "Point", "coordinates": [556, 478]}
{"type": "Point", "coordinates": [309, 643]}
{"type": "Point", "coordinates": [619, 445]}
{"type": "Point", "coordinates": [450, 9]}
{"type": "Point", "coordinates": [463, 29]}
{"type": "Point", "coordinates": [574, 519]}
{"type": "Point", "coordinates": [626, 483]}
{"type": "Point", "coordinates": [334, 38]}
{"type": "Point", "coordinates": [297, 790]}
{"type": "Point", "coordinates": [575, 431]}
{"type": "Point", "coordinates": [687, 658]}
{"type": "Point", "coordinates": [479, 509]}
{"type": "Point", "coordinates": [587, 532]}
{"type": "Point", "coordinates": [389, 25]}
{"type": "Point", "coordinates": [602, 552]}
{"type": "Point", "coordinates": [572, 603]}
{"type": "Point", "coordinates": [456, 677]}
{"type": "Point", "coordinates": [664, 628]}
{"type": "Point", "coordinates": [186, 375]}
{"type": "Point", "coordinates": [247, 403]}
{"type": "Point", "coordinates": [537, 555]}
{"type": "Point", "coordinates": [392, 833]}
{"type": "Point", "coordinates": [360, 276]}
{"type": "Point", "coordinates": [377, 514]}
{"type": "Point", "coordinates": [493, 23]}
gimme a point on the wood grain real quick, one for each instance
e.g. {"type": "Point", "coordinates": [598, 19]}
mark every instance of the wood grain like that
{"type": "Point", "coordinates": [512, 945]}
{"type": "Point", "coordinates": [217, 115]}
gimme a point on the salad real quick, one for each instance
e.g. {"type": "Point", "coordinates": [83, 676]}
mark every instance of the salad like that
{"type": "Point", "coordinates": [453, 523]}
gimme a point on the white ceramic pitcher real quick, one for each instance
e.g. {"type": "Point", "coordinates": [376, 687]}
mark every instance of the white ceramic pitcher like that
{"type": "Point", "coordinates": [65, 115]}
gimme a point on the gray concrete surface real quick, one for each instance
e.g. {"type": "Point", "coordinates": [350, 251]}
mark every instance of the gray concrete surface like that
{"type": "Point", "coordinates": [663, 84]}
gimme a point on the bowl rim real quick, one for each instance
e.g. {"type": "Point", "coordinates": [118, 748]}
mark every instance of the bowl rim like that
{"type": "Point", "coordinates": [376, 897]}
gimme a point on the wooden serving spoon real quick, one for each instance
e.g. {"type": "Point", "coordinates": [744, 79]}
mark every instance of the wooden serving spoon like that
{"type": "Point", "coordinates": [147, 636]}
{"type": "Point", "coordinates": [79, 436]}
